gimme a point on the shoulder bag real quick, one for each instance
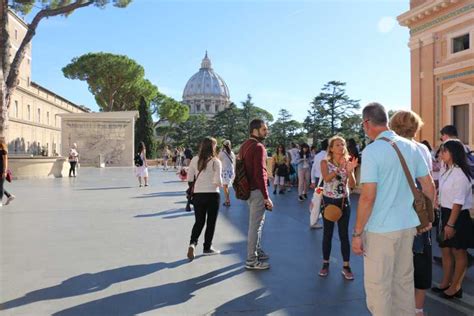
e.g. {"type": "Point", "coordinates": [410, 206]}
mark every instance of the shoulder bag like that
{"type": "Point", "coordinates": [422, 204]}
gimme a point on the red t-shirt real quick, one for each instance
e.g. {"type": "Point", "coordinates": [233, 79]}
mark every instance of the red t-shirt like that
{"type": "Point", "coordinates": [255, 158]}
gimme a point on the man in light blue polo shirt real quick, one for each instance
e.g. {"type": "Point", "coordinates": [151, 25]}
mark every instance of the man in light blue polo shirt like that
{"type": "Point", "coordinates": [386, 220]}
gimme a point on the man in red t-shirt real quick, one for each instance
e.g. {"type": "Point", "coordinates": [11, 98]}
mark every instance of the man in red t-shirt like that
{"type": "Point", "coordinates": [255, 160]}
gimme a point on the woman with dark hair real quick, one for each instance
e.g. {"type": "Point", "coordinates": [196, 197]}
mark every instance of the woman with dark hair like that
{"type": "Point", "coordinates": [142, 168]}
{"type": "Point", "coordinates": [280, 169]}
{"type": "Point", "coordinates": [353, 149]}
{"type": "Point", "coordinates": [456, 233]}
{"type": "Point", "coordinates": [3, 172]}
{"type": "Point", "coordinates": [227, 158]}
{"type": "Point", "coordinates": [205, 176]}
{"type": "Point", "coordinates": [427, 144]}
{"type": "Point", "coordinates": [304, 171]}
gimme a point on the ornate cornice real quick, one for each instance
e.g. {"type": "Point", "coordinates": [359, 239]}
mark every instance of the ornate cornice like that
{"type": "Point", "coordinates": [432, 7]}
{"type": "Point", "coordinates": [458, 75]}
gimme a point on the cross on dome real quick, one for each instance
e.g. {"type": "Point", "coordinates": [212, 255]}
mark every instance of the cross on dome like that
{"type": "Point", "coordinates": [206, 62]}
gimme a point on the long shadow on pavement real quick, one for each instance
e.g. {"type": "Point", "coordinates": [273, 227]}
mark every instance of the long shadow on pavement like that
{"type": "Point", "coordinates": [89, 283]}
{"type": "Point", "coordinates": [169, 214]}
{"type": "Point", "coordinates": [152, 298]}
{"type": "Point", "coordinates": [161, 194]}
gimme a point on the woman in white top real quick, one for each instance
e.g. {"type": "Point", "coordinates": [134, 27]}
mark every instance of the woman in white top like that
{"type": "Point", "coordinates": [142, 170]}
{"type": "Point", "coordinates": [73, 160]}
{"type": "Point", "coordinates": [227, 158]}
{"type": "Point", "coordinates": [457, 233]}
{"type": "Point", "coordinates": [205, 174]}
{"type": "Point", "coordinates": [166, 157]}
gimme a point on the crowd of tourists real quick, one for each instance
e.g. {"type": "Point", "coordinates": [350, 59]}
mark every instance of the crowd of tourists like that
{"type": "Point", "coordinates": [392, 171]}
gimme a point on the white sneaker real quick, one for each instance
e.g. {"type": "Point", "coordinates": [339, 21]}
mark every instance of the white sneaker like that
{"type": "Point", "coordinates": [316, 226]}
{"type": "Point", "coordinates": [11, 198]}
{"type": "Point", "coordinates": [257, 265]}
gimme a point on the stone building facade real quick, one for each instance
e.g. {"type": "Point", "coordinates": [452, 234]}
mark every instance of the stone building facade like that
{"type": "Point", "coordinates": [34, 123]}
{"type": "Point", "coordinates": [442, 65]}
{"type": "Point", "coordinates": [206, 92]}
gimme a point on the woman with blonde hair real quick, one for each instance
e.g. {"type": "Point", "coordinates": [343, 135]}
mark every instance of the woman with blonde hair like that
{"type": "Point", "coordinates": [407, 124]}
{"type": "Point", "coordinates": [337, 171]}
{"type": "Point", "coordinates": [205, 179]}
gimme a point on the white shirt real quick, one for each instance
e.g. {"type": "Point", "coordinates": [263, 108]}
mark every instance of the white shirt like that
{"type": "Point", "coordinates": [294, 155]}
{"type": "Point", "coordinates": [316, 169]}
{"type": "Point", "coordinates": [455, 188]}
{"type": "Point", "coordinates": [73, 154]}
{"type": "Point", "coordinates": [210, 179]}
{"type": "Point", "coordinates": [425, 153]}
{"type": "Point", "coordinates": [225, 158]}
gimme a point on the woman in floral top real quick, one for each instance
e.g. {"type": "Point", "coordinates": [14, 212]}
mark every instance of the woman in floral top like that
{"type": "Point", "coordinates": [337, 171]}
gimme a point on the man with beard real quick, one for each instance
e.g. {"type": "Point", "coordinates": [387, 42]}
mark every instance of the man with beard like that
{"type": "Point", "coordinates": [254, 154]}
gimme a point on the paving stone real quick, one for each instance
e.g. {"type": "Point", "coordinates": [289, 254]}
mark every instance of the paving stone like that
{"type": "Point", "coordinates": [100, 245]}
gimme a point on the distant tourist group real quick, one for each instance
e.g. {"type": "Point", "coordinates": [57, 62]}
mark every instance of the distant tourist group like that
{"type": "Point", "coordinates": [399, 179]}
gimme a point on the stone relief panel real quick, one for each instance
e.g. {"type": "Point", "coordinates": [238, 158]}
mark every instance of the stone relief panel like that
{"type": "Point", "coordinates": [111, 140]}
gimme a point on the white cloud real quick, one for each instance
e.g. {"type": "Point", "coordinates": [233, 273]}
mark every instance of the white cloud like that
{"type": "Point", "coordinates": [386, 24]}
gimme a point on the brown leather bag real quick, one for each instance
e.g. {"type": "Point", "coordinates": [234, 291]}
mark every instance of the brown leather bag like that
{"type": "Point", "coordinates": [422, 204]}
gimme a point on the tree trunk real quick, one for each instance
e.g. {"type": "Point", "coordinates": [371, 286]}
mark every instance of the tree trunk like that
{"type": "Point", "coordinates": [10, 70]}
{"type": "Point", "coordinates": [4, 108]}
{"type": "Point", "coordinates": [4, 69]}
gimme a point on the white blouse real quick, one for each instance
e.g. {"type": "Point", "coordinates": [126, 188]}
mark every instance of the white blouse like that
{"type": "Point", "coordinates": [210, 179]}
{"type": "Point", "coordinates": [455, 188]}
{"type": "Point", "coordinates": [225, 158]}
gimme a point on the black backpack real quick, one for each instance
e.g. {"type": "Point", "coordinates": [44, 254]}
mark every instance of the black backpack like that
{"type": "Point", "coordinates": [138, 160]}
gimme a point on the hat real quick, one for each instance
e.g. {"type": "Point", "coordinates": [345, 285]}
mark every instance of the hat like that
{"type": "Point", "coordinates": [226, 143]}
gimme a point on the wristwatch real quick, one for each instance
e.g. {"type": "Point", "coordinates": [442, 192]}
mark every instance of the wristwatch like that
{"type": "Point", "coordinates": [356, 235]}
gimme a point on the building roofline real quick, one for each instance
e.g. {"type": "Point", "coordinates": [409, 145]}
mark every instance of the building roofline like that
{"type": "Point", "coordinates": [18, 18]}
{"type": "Point", "coordinates": [81, 107]}
{"type": "Point", "coordinates": [420, 12]}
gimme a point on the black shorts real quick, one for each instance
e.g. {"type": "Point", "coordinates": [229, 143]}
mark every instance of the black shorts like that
{"type": "Point", "coordinates": [422, 262]}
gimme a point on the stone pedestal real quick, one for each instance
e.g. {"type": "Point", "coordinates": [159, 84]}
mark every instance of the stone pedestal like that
{"type": "Point", "coordinates": [104, 138]}
{"type": "Point", "coordinates": [38, 167]}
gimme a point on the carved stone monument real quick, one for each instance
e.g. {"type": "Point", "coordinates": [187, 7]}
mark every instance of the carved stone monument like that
{"type": "Point", "coordinates": [101, 138]}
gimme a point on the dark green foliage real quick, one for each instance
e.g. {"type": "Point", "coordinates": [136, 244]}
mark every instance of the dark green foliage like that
{"type": "Point", "coordinates": [191, 133]}
{"type": "Point", "coordinates": [116, 81]}
{"type": "Point", "coordinates": [285, 130]}
{"type": "Point", "coordinates": [332, 112]}
{"type": "Point", "coordinates": [229, 124]}
{"type": "Point", "coordinates": [144, 129]}
{"type": "Point", "coordinates": [25, 6]}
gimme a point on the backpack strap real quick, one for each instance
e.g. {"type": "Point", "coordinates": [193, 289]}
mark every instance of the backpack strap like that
{"type": "Point", "coordinates": [404, 165]}
{"type": "Point", "coordinates": [196, 177]}
{"type": "Point", "coordinates": [242, 155]}
{"type": "Point", "coordinates": [230, 158]}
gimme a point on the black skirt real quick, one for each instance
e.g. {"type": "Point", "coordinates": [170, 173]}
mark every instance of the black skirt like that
{"type": "Point", "coordinates": [464, 236]}
{"type": "Point", "coordinates": [281, 170]}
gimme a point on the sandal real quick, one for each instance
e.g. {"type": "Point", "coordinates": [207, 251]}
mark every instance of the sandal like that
{"type": "Point", "coordinates": [227, 204]}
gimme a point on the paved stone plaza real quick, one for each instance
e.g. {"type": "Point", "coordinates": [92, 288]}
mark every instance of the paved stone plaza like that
{"type": "Point", "coordinates": [99, 245]}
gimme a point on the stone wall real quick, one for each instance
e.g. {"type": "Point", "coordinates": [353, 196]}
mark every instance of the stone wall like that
{"type": "Point", "coordinates": [105, 136]}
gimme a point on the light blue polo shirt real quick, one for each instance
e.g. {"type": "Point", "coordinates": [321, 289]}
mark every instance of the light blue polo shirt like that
{"type": "Point", "coordinates": [393, 208]}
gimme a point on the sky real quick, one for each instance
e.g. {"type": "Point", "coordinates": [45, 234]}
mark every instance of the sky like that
{"type": "Point", "coordinates": [280, 52]}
